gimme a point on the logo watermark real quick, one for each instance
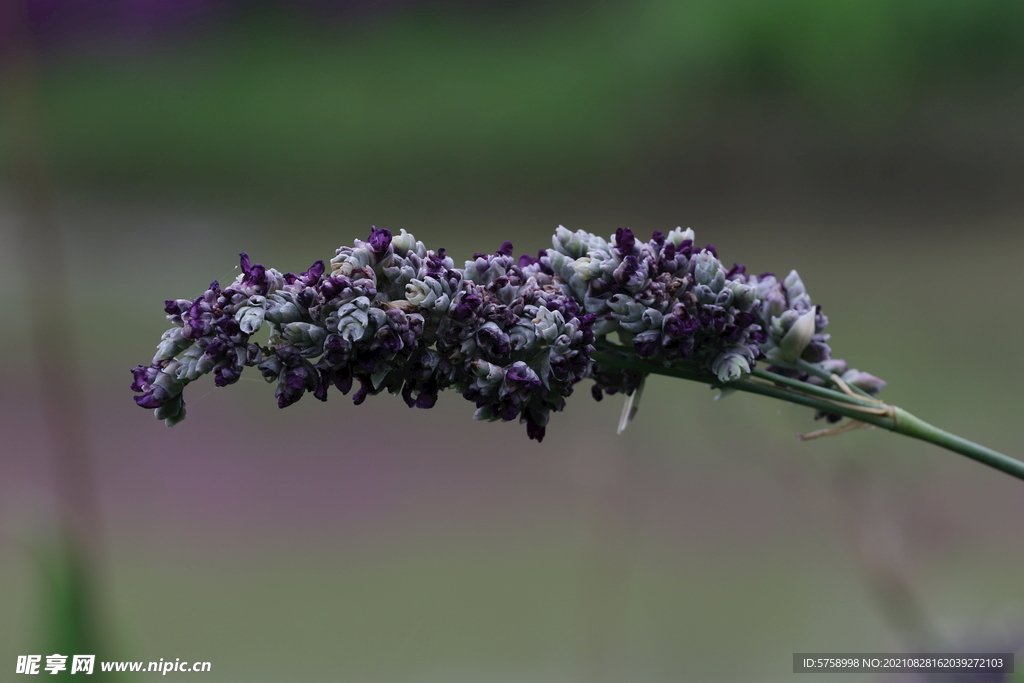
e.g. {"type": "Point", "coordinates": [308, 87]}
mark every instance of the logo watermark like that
{"type": "Point", "coordinates": [86, 664]}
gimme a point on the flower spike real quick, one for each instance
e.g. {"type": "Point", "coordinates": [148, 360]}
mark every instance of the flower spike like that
{"type": "Point", "coordinates": [512, 335]}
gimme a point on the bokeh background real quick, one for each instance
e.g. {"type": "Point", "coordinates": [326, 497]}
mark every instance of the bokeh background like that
{"type": "Point", "coordinates": [875, 146]}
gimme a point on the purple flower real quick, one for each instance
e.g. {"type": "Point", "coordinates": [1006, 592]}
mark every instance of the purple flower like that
{"type": "Point", "coordinates": [520, 377]}
{"type": "Point", "coordinates": [514, 336]}
{"type": "Point", "coordinates": [492, 341]}
{"type": "Point", "coordinates": [297, 376]}
{"type": "Point", "coordinates": [379, 240]}
{"type": "Point", "coordinates": [625, 242]}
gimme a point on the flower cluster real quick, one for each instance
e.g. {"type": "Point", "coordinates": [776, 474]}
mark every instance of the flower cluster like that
{"type": "Point", "coordinates": [512, 335]}
{"type": "Point", "coordinates": [665, 297]}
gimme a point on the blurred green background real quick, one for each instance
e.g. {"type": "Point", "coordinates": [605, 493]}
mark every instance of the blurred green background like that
{"type": "Point", "coordinates": [875, 146]}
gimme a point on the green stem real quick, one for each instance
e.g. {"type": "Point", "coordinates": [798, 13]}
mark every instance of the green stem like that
{"type": "Point", "coordinates": [815, 371]}
{"type": "Point", "coordinates": [814, 389]}
{"type": "Point", "coordinates": [917, 428]}
{"type": "Point", "coordinates": [788, 389]}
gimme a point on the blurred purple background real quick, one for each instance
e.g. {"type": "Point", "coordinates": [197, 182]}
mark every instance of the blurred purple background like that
{"type": "Point", "coordinates": [874, 148]}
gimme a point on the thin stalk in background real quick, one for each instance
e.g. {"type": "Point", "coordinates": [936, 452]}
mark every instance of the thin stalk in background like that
{"type": "Point", "coordinates": [71, 574]}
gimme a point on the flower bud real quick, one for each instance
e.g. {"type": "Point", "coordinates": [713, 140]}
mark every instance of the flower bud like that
{"type": "Point", "coordinates": [863, 380]}
{"type": "Point", "coordinates": [817, 350]}
{"type": "Point", "coordinates": [679, 324]}
{"type": "Point", "coordinates": [487, 373]}
{"type": "Point", "coordinates": [172, 342]}
{"type": "Point", "coordinates": [631, 274]}
{"type": "Point", "coordinates": [520, 377]}
{"type": "Point", "coordinates": [796, 294]}
{"type": "Point", "coordinates": [548, 324]}
{"type": "Point", "coordinates": [647, 344]}
{"type": "Point", "coordinates": [189, 368]}
{"type": "Point", "coordinates": [625, 242]}
{"type": "Point", "coordinates": [250, 318]}
{"type": "Point", "coordinates": [270, 368]}
{"type": "Point", "coordinates": [834, 366]}
{"type": "Point", "coordinates": [522, 337]}
{"type": "Point", "coordinates": [732, 363]}
{"type": "Point", "coordinates": [492, 341]}
{"type": "Point", "coordinates": [280, 311]}
{"type": "Point", "coordinates": [678, 236]}
{"type": "Point", "coordinates": [795, 340]}
{"type": "Point", "coordinates": [704, 295]}
{"type": "Point", "coordinates": [652, 319]}
{"type": "Point", "coordinates": [423, 293]}
{"type": "Point", "coordinates": [572, 244]}
{"type": "Point", "coordinates": [774, 305]}
{"type": "Point", "coordinates": [706, 269]}
{"type": "Point", "coordinates": [744, 296]}
{"type": "Point", "coordinates": [586, 268]}
{"type": "Point", "coordinates": [171, 412]}
{"type": "Point", "coordinates": [629, 312]}
{"type": "Point", "coordinates": [305, 336]}
{"type": "Point", "coordinates": [404, 244]}
{"type": "Point", "coordinates": [794, 285]}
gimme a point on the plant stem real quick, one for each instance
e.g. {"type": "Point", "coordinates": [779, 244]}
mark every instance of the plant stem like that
{"type": "Point", "coordinates": [815, 371]}
{"type": "Point", "coordinates": [75, 571]}
{"type": "Point", "coordinates": [815, 390]}
{"type": "Point", "coordinates": [868, 410]}
{"type": "Point", "coordinates": [917, 428]}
